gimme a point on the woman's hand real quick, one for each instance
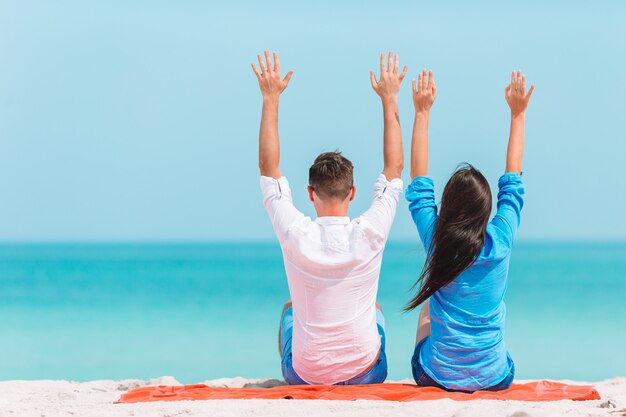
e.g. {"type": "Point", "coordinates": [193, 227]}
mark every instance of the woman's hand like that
{"type": "Point", "coordinates": [516, 95]}
{"type": "Point", "coordinates": [424, 92]}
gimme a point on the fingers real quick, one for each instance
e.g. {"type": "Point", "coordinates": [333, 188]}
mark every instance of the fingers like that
{"type": "Point", "coordinates": [256, 72]}
{"type": "Point", "coordinates": [382, 63]}
{"type": "Point", "coordinates": [276, 63]}
{"type": "Point", "coordinates": [268, 60]}
{"type": "Point", "coordinates": [391, 64]}
{"type": "Point", "coordinates": [404, 71]}
{"type": "Point", "coordinates": [373, 80]}
{"type": "Point", "coordinates": [514, 82]}
{"type": "Point", "coordinates": [518, 82]}
{"type": "Point", "coordinates": [425, 81]}
{"type": "Point", "coordinates": [288, 77]}
{"type": "Point", "coordinates": [265, 66]}
{"type": "Point", "coordinates": [517, 86]}
{"type": "Point", "coordinates": [424, 89]}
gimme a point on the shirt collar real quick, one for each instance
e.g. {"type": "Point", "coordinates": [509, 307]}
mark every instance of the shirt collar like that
{"type": "Point", "coordinates": [330, 220]}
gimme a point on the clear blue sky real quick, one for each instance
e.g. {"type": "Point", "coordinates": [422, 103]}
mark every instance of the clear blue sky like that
{"type": "Point", "coordinates": [138, 120]}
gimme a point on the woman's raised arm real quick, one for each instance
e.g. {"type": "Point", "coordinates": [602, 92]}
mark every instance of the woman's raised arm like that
{"type": "Point", "coordinates": [517, 98]}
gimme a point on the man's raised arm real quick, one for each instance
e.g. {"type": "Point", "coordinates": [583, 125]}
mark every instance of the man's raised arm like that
{"type": "Point", "coordinates": [387, 88]}
{"type": "Point", "coordinates": [271, 85]}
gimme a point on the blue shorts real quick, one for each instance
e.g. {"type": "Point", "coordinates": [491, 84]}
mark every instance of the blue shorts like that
{"type": "Point", "coordinates": [375, 375]}
{"type": "Point", "coordinates": [424, 380]}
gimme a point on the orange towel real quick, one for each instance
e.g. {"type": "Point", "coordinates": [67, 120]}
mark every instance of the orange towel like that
{"type": "Point", "coordinates": [532, 391]}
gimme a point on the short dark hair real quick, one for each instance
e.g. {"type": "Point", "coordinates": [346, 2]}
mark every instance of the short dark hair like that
{"type": "Point", "coordinates": [331, 176]}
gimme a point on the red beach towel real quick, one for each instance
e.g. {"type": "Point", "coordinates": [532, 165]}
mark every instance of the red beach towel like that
{"type": "Point", "coordinates": [531, 391]}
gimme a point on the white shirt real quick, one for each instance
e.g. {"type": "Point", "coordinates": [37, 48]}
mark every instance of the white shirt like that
{"type": "Point", "coordinates": [332, 266]}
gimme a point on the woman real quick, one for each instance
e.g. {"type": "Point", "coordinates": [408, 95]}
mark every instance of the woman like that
{"type": "Point", "coordinates": [460, 337]}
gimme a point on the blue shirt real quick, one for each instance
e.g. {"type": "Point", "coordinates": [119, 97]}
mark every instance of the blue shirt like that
{"type": "Point", "coordinates": [466, 349]}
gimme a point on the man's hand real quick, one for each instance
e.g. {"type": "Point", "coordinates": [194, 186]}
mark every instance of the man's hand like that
{"type": "Point", "coordinates": [270, 82]}
{"type": "Point", "coordinates": [387, 88]}
{"type": "Point", "coordinates": [516, 95]}
{"type": "Point", "coordinates": [388, 85]}
{"type": "Point", "coordinates": [424, 92]}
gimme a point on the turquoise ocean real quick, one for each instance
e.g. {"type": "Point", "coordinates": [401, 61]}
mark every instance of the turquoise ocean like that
{"type": "Point", "coordinates": [205, 311]}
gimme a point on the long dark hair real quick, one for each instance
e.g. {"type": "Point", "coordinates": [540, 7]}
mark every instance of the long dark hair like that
{"type": "Point", "coordinates": [459, 234]}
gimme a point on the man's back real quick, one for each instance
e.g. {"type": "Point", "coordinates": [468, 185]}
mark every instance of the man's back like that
{"type": "Point", "coordinates": [333, 266]}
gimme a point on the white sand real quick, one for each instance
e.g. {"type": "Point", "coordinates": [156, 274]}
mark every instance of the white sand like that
{"type": "Point", "coordinates": [63, 398]}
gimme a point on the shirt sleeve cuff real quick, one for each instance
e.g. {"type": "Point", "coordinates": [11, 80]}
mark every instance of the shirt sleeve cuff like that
{"type": "Point", "coordinates": [273, 186]}
{"type": "Point", "coordinates": [418, 186]}
{"type": "Point", "coordinates": [508, 178]}
{"type": "Point", "coordinates": [394, 183]}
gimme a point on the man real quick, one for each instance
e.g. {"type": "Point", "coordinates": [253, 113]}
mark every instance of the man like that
{"type": "Point", "coordinates": [332, 332]}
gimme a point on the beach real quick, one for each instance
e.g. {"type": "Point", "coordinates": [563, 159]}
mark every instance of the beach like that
{"type": "Point", "coordinates": [97, 398]}
{"type": "Point", "coordinates": [142, 310]}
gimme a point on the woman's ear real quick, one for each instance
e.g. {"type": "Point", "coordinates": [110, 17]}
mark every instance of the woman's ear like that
{"type": "Point", "coordinates": [352, 193]}
{"type": "Point", "coordinates": [311, 193]}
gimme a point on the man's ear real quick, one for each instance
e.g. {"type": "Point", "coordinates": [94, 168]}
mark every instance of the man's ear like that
{"type": "Point", "coordinates": [352, 193]}
{"type": "Point", "coordinates": [310, 190]}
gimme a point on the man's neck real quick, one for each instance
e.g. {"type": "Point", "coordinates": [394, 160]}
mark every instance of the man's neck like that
{"type": "Point", "coordinates": [336, 211]}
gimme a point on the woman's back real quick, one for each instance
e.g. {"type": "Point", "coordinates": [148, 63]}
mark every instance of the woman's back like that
{"type": "Point", "coordinates": [465, 349]}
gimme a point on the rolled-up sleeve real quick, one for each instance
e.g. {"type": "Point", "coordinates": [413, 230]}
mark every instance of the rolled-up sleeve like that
{"type": "Point", "coordinates": [510, 203]}
{"type": "Point", "coordinates": [279, 205]}
{"type": "Point", "coordinates": [421, 197]}
{"type": "Point", "coordinates": [385, 199]}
